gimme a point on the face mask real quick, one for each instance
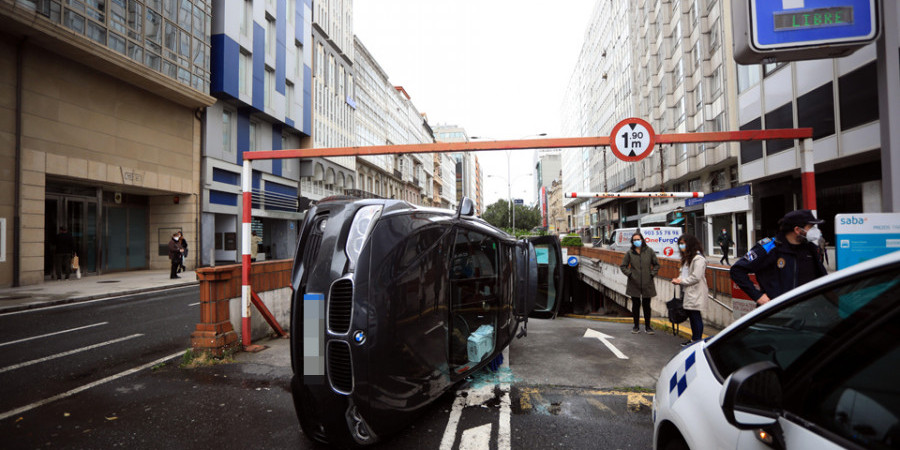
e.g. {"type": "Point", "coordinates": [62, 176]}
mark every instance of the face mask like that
{"type": "Point", "coordinates": [176, 238]}
{"type": "Point", "coordinates": [801, 235]}
{"type": "Point", "coordinates": [637, 243]}
{"type": "Point", "coordinates": [681, 247]}
{"type": "Point", "coordinates": [813, 235]}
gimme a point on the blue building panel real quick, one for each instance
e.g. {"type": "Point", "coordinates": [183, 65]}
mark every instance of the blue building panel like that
{"type": "Point", "coordinates": [276, 145]}
{"type": "Point", "coordinates": [224, 59]}
{"type": "Point", "coordinates": [307, 100]}
{"type": "Point", "coordinates": [289, 122]}
{"type": "Point", "coordinates": [223, 198]}
{"type": "Point", "coordinates": [225, 176]}
{"type": "Point", "coordinates": [243, 134]}
{"type": "Point", "coordinates": [259, 67]}
{"type": "Point", "coordinates": [280, 46]}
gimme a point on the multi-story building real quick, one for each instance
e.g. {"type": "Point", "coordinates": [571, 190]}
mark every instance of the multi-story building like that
{"type": "Point", "coordinates": [385, 115]}
{"type": "Point", "coordinates": [547, 169]}
{"type": "Point", "coordinates": [839, 99]}
{"type": "Point", "coordinates": [261, 76]}
{"type": "Point", "coordinates": [467, 168]}
{"type": "Point", "coordinates": [104, 137]}
{"type": "Point", "coordinates": [556, 214]}
{"type": "Point", "coordinates": [333, 100]}
{"type": "Point", "coordinates": [666, 62]}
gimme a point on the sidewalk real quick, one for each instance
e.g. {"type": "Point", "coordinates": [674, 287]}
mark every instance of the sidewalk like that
{"type": "Point", "coordinates": [90, 287]}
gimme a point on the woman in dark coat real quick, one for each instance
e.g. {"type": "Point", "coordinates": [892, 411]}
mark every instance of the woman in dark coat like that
{"type": "Point", "coordinates": [175, 252]}
{"type": "Point", "coordinates": [640, 265]}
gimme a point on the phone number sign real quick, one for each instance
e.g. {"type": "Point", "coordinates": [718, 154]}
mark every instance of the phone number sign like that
{"type": "Point", "coordinates": [632, 139]}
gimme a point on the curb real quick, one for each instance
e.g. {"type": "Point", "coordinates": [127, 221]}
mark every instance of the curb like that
{"type": "Point", "coordinates": [658, 324]}
{"type": "Point", "coordinates": [65, 301]}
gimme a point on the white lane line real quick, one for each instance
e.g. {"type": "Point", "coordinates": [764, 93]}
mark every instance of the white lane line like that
{"type": "Point", "coordinates": [43, 402]}
{"type": "Point", "coordinates": [453, 423]}
{"type": "Point", "coordinates": [70, 352]}
{"type": "Point", "coordinates": [194, 304]}
{"type": "Point", "coordinates": [52, 334]}
{"type": "Point", "coordinates": [504, 432]}
{"type": "Point", "coordinates": [104, 299]}
{"type": "Point", "coordinates": [477, 438]}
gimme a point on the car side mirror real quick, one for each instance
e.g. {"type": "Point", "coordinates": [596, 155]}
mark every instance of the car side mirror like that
{"type": "Point", "coordinates": [466, 208]}
{"type": "Point", "coordinates": [752, 396]}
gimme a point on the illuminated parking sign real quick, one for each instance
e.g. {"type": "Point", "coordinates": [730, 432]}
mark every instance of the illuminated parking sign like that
{"type": "Point", "coordinates": [791, 30]}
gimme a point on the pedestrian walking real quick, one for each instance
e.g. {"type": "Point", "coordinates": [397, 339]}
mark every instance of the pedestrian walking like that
{"type": "Point", "coordinates": [62, 254]}
{"type": "Point", "coordinates": [175, 252]}
{"type": "Point", "coordinates": [254, 245]}
{"type": "Point", "coordinates": [783, 263]}
{"type": "Point", "coordinates": [184, 246]}
{"type": "Point", "coordinates": [693, 283]}
{"type": "Point", "coordinates": [725, 244]}
{"type": "Point", "coordinates": [640, 265]}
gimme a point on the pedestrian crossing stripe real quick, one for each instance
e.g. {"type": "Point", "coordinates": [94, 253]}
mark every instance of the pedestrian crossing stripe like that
{"type": "Point", "coordinates": [682, 378]}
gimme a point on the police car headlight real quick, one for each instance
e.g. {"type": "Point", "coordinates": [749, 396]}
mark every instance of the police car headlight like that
{"type": "Point", "coordinates": [363, 223]}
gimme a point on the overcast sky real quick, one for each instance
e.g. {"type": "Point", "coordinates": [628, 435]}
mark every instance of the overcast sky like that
{"type": "Point", "coordinates": [498, 68]}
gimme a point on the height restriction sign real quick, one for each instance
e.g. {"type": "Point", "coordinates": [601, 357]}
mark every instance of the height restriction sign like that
{"type": "Point", "coordinates": [632, 139]}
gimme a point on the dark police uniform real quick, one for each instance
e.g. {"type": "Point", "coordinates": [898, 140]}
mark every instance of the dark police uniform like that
{"type": "Point", "coordinates": [779, 267]}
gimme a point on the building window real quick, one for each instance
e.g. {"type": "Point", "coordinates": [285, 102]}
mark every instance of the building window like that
{"type": "Point", "coordinates": [269, 87]}
{"type": "Point", "coordinates": [858, 92]}
{"type": "Point", "coordinates": [252, 144]}
{"type": "Point", "coordinates": [747, 77]}
{"type": "Point", "coordinates": [815, 110]}
{"type": "Point", "coordinates": [247, 22]}
{"type": "Point", "coordinates": [227, 121]}
{"type": "Point", "coordinates": [289, 99]}
{"type": "Point", "coordinates": [246, 73]}
{"type": "Point", "coordinates": [270, 36]}
{"type": "Point", "coordinates": [751, 150]}
{"type": "Point", "coordinates": [782, 117]}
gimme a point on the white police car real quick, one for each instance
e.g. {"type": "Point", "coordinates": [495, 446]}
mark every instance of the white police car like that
{"type": "Point", "coordinates": [816, 368]}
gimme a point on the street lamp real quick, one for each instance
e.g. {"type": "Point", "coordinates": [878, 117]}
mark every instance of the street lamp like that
{"type": "Point", "coordinates": [512, 207]}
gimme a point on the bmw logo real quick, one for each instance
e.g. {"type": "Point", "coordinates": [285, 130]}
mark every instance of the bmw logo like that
{"type": "Point", "coordinates": [359, 337]}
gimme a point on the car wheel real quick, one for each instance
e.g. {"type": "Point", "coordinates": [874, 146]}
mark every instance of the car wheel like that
{"type": "Point", "coordinates": [675, 443]}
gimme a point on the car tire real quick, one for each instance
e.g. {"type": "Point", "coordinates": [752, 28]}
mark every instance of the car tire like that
{"type": "Point", "coordinates": [676, 443]}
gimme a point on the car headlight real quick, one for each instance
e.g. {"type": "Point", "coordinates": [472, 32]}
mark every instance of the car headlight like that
{"type": "Point", "coordinates": [362, 225]}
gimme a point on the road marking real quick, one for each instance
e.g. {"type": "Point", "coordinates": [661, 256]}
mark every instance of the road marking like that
{"type": "Point", "coordinates": [589, 333]}
{"type": "Point", "coordinates": [476, 438]}
{"type": "Point", "coordinates": [70, 352]}
{"type": "Point", "coordinates": [45, 401]}
{"type": "Point", "coordinates": [599, 405]}
{"type": "Point", "coordinates": [504, 433]}
{"type": "Point", "coordinates": [636, 400]}
{"type": "Point", "coordinates": [78, 303]}
{"type": "Point", "coordinates": [194, 304]}
{"type": "Point", "coordinates": [453, 422]}
{"type": "Point", "coordinates": [53, 334]}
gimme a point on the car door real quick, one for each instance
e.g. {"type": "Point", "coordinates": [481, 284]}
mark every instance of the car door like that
{"type": "Point", "coordinates": [548, 259]}
{"type": "Point", "coordinates": [839, 349]}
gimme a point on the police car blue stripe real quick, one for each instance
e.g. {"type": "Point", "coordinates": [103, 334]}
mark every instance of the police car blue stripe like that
{"type": "Point", "coordinates": [673, 382]}
{"type": "Point", "coordinates": [690, 361]}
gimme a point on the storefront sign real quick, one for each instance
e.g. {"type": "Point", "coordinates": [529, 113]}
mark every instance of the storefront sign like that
{"type": "Point", "coordinates": [861, 237]}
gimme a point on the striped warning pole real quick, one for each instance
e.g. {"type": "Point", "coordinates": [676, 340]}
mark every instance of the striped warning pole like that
{"type": "Point", "coordinates": [246, 183]}
{"type": "Point", "coordinates": [633, 195]}
{"type": "Point", "coordinates": [808, 175]}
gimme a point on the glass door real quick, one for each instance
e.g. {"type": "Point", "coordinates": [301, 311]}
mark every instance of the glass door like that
{"type": "Point", "coordinates": [81, 220]}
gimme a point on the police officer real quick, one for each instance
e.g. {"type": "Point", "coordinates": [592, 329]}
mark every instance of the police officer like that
{"type": "Point", "coordinates": [783, 263]}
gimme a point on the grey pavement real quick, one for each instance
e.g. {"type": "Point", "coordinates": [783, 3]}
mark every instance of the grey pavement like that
{"type": "Point", "coordinates": [90, 287]}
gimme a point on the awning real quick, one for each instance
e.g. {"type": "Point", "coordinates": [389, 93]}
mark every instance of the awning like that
{"type": "Point", "coordinates": [677, 221]}
{"type": "Point", "coordinates": [654, 219]}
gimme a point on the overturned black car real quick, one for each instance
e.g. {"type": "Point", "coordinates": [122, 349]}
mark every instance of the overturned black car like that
{"type": "Point", "coordinates": [394, 304]}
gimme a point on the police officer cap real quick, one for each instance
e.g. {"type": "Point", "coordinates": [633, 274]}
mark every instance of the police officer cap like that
{"type": "Point", "coordinates": [799, 218]}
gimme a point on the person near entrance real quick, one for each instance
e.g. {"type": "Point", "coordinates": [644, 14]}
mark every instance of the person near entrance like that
{"type": "Point", "coordinates": [640, 265]}
{"type": "Point", "coordinates": [175, 252]}
{"type": "Point", "coordinates": [254, 245]}
{"type": "Point", "coordinates": [184, 246]}
{"type": "Point", "coordinates": [725, 244]}
{"type": "Point", "coordinates": [783, 263]}
{"type": "Point", "coordinates": [62, 255]}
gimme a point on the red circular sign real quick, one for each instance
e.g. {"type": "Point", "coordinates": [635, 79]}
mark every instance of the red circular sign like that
{"type": "Point", "coordinates": [668, 251]}
{"type": "Point", "coordinates": [632, 139]}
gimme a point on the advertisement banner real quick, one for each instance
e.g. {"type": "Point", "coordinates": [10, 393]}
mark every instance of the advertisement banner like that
{"type": "Point", "coordinates": [861, 237]}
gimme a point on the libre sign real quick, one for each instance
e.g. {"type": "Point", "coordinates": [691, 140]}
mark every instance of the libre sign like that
{"type": "Point", "coordinates": [632, 139]}
{"type": "Point", "coordinates": [794, 30]}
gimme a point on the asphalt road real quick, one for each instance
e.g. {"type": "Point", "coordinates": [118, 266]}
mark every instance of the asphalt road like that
{"type": "Point", "coordinates": [561, 389]}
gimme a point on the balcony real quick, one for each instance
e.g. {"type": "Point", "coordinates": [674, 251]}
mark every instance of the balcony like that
{"type": "Point", "coordinates": [359, 193]}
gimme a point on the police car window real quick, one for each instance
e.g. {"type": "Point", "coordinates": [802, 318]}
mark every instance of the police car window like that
{"type": "Point", "coordinates": [855, 394]}
{"type": "Point", "coordinates": [808, 325]}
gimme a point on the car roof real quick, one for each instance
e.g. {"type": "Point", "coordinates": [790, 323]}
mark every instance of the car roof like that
{"type": "Point", "coordinates": [855, 270]}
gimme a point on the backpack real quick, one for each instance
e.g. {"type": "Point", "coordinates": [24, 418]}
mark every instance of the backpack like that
{"type": "Point", "coordinates": [677, 313]}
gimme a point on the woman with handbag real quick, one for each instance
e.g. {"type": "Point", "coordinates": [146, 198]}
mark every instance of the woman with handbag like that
{"type": "Point", "coordinates": [640, 265]}
{"type": "Point", "coordinates": [693, 283]}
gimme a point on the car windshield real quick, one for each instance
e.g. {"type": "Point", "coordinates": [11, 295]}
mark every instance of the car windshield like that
{"type": "Point", "coordinates": [800, 329]}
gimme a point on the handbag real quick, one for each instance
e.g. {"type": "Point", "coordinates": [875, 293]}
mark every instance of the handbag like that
{"type": "Point", "coordinates": [75, 262]}
{"type": "Point", "coordinates": [677, 313]}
